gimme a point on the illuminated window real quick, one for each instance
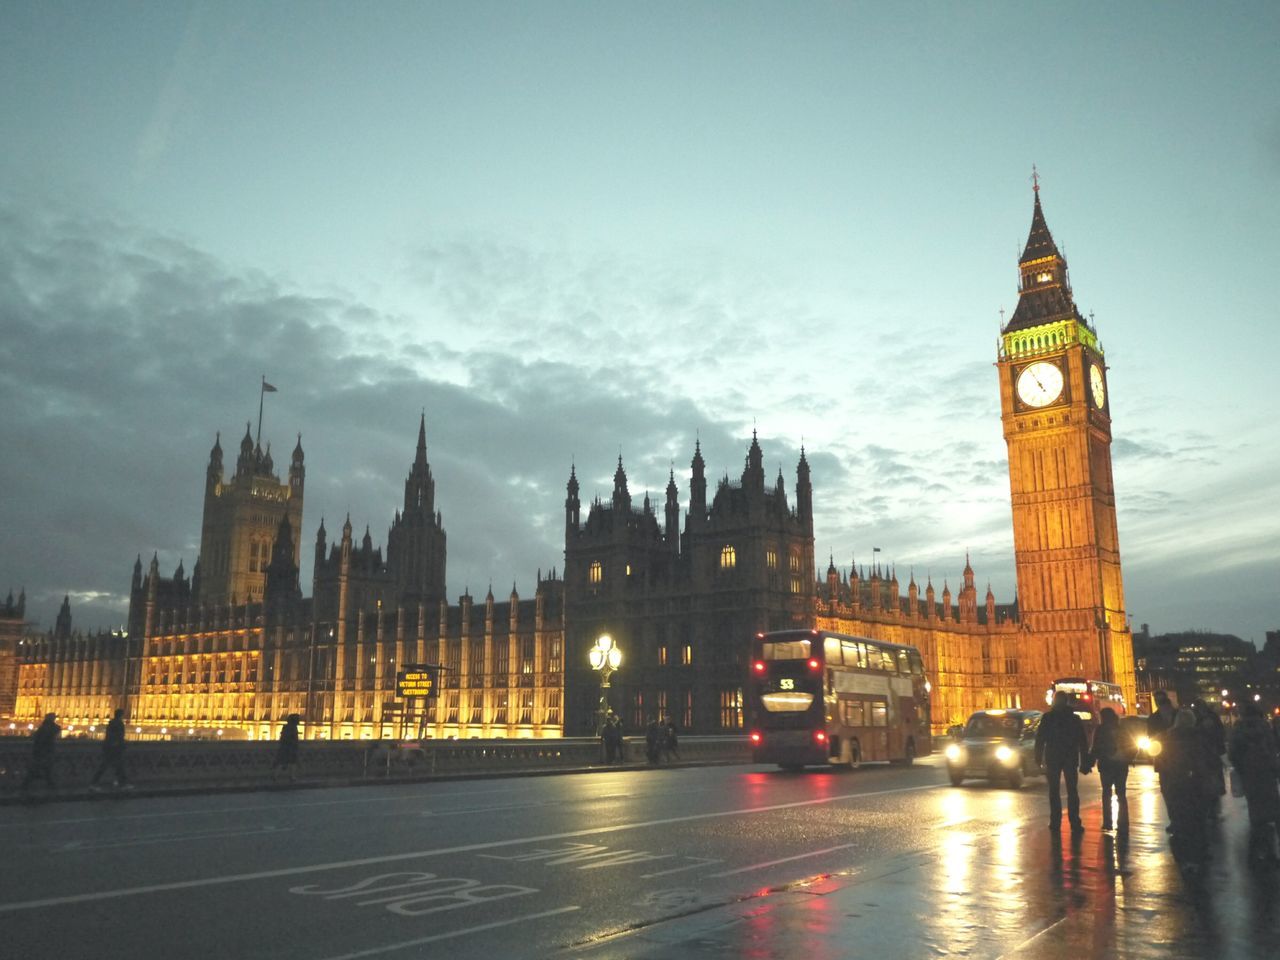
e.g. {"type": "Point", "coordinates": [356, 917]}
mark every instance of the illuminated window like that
{"type": "Point", "coordinates": [731, 709]}
{"type": "Point", "coordinates": [1044, 276]}
{"type": "Point", "coordinates": [795, 585]}
{"type": "Point", "coordinates": [662, 656]}
{"type": "Point", "coordinates": [728, 557]}
{"type": "Point", "coordinates": [771, 558]}
{"type": "Point", "coordinates": [553, 706]}
{"type": "Point", "coordinates": [795, 561]}
{"type": "Point", "coordinates": [686, 654]}
{"type": "Point", "coordinates": [597, 571]}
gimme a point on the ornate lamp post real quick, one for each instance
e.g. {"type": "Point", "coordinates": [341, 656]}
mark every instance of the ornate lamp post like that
{"type": "Point", "coordinates": [605, 658]}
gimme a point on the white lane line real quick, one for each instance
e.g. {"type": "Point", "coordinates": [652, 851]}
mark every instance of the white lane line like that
{"type": "Point", "coordinates": [91, 845]}
{"type": "Point", "coordinates": [188, 812]}
{"type": "Point", "coordinates": [774, 863]}
{"type": "Point", "coordinates": [443, 851]}
{"type": "Point", "coordinates": [373, 951]}
{"type": "Point", "coordinates": [702, 862]}
{"type": "Point", "coordinates": [1030, 940]}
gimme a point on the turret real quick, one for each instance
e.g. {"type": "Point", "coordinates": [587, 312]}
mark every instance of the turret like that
{"type": "Point", "coordinates": [804, 491]}
{"type": "Point", "coordinates": [297, 472]}
{"type": "Point", "coordinates": [621, 495]}
{"type": "Point", "coordinates": [320, 546]}
{"type": "Point", "coordinates": [213, 475]}
{"type": "Point", "coordinates": [62, 626]}
{"type": "Point", "coordinates": [572, 506]}
{"type": "Point", "coordinates": [753, 473]}
{"type": "Point", "coordinates": [673, 513]}
{"type": "Point", "coordinates": [244, 462]}
{"type": "Point", "coordinates": [698, 487]}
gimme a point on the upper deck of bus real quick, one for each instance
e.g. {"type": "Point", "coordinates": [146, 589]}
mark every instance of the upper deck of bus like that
{"type": "Point", "coordinates": [815, 644]}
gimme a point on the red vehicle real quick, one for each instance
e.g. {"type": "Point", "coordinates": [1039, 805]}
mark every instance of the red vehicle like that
{"type": "Point", "coordinates": [1088, 697]}
{"type": "Point", "coordinates": [817, 697]}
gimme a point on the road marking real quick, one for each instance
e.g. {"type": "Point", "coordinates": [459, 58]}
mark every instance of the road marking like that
{"type": "Point", "coordinates": [774, 863]}
{"type": "Point", "coordinates": [442, 851]}
{"type": "Point", "coordinates": [75, 845]}
{"type": "Point", "coordinates": [701, 862]}
{"type": "Point", "coordinates": [403, 944]}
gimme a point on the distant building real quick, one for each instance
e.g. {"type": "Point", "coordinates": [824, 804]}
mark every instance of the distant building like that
{"type": "Point", "coordinates": [236, 647]}
{"type": "Point", "coordinates": [12, 628]}
{"type": "Point", "coordinates": [1198, 665]}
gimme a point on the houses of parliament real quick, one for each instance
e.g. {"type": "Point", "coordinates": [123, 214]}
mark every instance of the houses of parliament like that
{"type": "Point", "coordinates": [234, 647]}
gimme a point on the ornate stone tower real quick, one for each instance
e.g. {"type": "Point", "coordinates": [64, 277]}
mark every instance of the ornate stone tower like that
{"type": "Point", "coordinates": [241, 518]}
{"type": "Point", "coordinates": [1057, 423]}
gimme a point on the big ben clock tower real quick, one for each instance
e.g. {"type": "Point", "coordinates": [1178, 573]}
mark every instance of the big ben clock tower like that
{"type": "Point", "coordinates": [1056, 411]}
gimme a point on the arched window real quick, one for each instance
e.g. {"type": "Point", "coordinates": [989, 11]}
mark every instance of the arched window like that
{"type": "Point", "coordinates": [728, 557]}
{"type": "Point", "coordinates": [597, 571]}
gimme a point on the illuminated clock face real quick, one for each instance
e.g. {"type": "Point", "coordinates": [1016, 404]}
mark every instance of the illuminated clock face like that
{"type": "Point", "coordinates": [1040, 383]}
{"type": "Point", "coordinates": [1096, 386]}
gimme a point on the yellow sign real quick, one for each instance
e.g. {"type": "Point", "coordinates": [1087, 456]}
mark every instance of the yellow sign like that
{"type": "Point", "coordinates": [416, 682]}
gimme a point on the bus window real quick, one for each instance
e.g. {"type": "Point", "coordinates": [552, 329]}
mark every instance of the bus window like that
{"type": "Point", "coordinates": [917, 663]}
{"type": "Point", "coordinates": [886, 661]}
{"type": "Point", "coordinates": [879, 713]}
{"type": "Point", "coordinates": [852, 710]}
{"type": "Point", "coordinates": [904, 667]}
{"type": "Point", "coordinates": [831, 648]}
{"type": "Point", "coordinates": [785, 650]}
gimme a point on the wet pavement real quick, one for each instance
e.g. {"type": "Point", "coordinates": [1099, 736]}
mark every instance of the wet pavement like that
{"type": "Point", "coordinates": [1002, 890]}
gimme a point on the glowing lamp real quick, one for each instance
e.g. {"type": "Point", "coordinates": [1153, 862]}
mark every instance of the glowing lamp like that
{"type": "Point", "coordinates": [813, 664]}
{"type": "Point", "coordinates": [820, 736]}
{"type": "Point", "coordinates": [759, 666]}
{"type": "Point", "coordinates": [755, 737]}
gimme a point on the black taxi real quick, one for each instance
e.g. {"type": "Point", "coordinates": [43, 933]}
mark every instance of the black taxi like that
{"type": "Point", "coordinates": [995, 745]}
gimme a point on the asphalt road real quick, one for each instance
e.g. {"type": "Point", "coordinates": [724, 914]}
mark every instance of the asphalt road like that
{"type": "Point", "coordinates": [512, 868]}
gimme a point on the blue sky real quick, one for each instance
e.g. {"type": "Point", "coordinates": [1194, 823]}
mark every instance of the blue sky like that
{"type": "Point", "coordinates": [566, 230]}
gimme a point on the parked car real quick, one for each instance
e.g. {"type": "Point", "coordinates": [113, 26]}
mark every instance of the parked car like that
{"type": "Point", "coordinates": [995, 745]}
{"type": "Point", "coordinates": [1134, 735]}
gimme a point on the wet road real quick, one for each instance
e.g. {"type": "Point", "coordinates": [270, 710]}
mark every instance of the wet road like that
{"type": "Point", "coordinates": [725, 861]}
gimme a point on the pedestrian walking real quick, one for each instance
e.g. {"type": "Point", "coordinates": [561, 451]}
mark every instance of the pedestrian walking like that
{"type": "Point", "coordinates": [43, 744]}
{"type": "Point", "coordinates": [1187, 779]}
{"type": "Point", "coordinates": [113, 754]}
{"type": "Point", "coordinates": [654, 736]}
{"type": "Point", "coordinates": [1062, 749]}
{"type": "Point", "coordinates": [1209, 726]}
{"type": "Point", "coordinates": [671, 740]}
{"type": "Point", "coordinates": [287, 753]}
{"type": "Point", "coordinates": [1256, 763]}
{"type": "Point", "coordinates": [611, 735]}
{"type": "Point", "coordinates": [1112, 758]}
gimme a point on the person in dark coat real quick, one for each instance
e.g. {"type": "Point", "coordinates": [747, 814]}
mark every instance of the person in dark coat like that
{"type": "Point", "coordinates": [287, 754]}
{"type": "Point", "coordinates": [1158, 726]}
{"type": "Point", "coordinates": [1209, 726]}
{"type": "Point", "coordinates": [653, 737]}
{"type": "Point", "coordinates": [671, 740]}
{"type": "Point", "coordinates": [43, 744]}
{"type": "Point", "coordinates": [1189, 767]}
{"type": "Point", "coordinates": [1111, 756]}
{"type": "Point", "coordinates": [611, 735]}
{"type": "Point", "coordinates": [1254, 756]}
{"type": "Point", "coordinates": [1062, 749]}
{"type": "Point", "coordinates": [113, 753]}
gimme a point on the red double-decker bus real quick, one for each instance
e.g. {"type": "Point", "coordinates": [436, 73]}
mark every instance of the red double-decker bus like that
{"type": "Point", "coordinates": [817, 697]}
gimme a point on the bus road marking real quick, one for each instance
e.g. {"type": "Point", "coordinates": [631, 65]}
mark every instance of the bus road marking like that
{"type": "Point", "coordinates": [201, 882]}
{"type": "Point", "coordinates": [405, 944]}
{"type": "Point", "coordinates": [698, 862]}
{"type": "Point", "coordinates": [774, 863]}
{"type": "Point", "coordinates": [417, 894]}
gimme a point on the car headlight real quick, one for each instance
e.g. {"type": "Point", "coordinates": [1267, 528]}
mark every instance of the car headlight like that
{"type": "Point", "coordinates": [1154, 748]}
{"type": "Point", "coordinates": [1004, 754]}
{"type": "Point", "coordinates": [954, 752]}
{"type": "Point", "coordinates": [1144, 744]}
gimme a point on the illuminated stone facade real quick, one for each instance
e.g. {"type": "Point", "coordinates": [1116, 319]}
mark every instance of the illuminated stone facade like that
{"type": "Point", "coordinates": [680, 603]}
{"type": "Point", "coordinates": [11, 635]}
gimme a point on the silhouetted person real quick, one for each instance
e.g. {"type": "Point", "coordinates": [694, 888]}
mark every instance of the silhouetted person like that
{"type": "Point", "coordinates": [43, 744]}
{"type": "Point", "coordinates": [287, 753]}
{"type": "Point", "coordinates": [611, 735]}
{"type": "Point", "coordinates": [1209, 726]}
{"type": "Point", "coordinates": [113, 753]}
{"type": "Point", "coordinates": [1254, 756]}
{"type": "Point", "coordinates": [1110, 754]}
{"type": "Point", "coordinates": [671, 740]}
{"type": "Point", "coordinates": [654, 736]}
{"type": "Point", "coordinates": [1062, 749]}
{"type": "Point", "coordinates": [1187, 779]}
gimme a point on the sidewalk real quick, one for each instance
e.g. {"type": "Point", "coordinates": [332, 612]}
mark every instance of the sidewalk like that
{"type": "Point", "coordinates": [986, 890]}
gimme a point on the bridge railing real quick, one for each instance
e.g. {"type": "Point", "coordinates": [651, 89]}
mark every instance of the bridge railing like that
{"type": "Point", "coordinates": [244, 763]}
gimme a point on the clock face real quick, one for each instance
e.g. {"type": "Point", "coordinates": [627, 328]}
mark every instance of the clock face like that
{"type": "Point", "coordinates": [1096, 386]}
{"type": "Point", "coordinates": [1040, 383]}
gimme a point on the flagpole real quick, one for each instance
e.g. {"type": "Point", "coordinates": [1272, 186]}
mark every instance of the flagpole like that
{"type": "Point", "coordinates": [262, 392]}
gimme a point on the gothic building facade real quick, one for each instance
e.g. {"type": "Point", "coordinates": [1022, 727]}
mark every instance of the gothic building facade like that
{"type": "Point", "coordinates": [236, 647]}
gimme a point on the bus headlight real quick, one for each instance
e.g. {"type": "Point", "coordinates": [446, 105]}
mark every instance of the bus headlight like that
{"type": "Point", "coordinates": [954, 753]}
{"type": "Point", "coordinates": [1004, 754]}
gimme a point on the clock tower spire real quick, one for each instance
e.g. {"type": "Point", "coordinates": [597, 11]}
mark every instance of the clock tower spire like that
{"type": "Point", "coordinates": [1057, 424]}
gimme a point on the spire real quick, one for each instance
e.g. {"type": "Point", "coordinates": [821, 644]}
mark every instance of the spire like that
{"type": "Point", "coordinates": [298, 455]}
{"type": "Point", "coordinates": [215, 455]}
{"type": "Point", "coordinates": [421, 457]}
{"type": "Point", "coordinates": [1044, 293]}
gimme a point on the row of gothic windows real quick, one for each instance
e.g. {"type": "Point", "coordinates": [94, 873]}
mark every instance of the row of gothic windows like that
{"type": "Point", "coordinates": [1042, 342]}
{"type": "Point", "coordinates": [728, 561]}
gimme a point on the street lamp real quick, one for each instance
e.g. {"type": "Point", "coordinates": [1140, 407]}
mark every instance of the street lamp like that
{"type": "Point", "coordinates": [605, 658]}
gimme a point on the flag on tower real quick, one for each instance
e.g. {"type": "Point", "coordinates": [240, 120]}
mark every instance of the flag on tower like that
{"type": "Point", "coordinates": [267, 388]}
